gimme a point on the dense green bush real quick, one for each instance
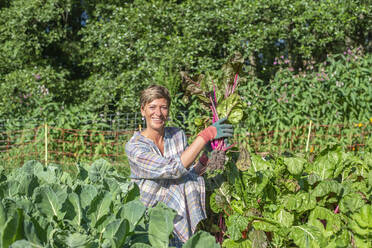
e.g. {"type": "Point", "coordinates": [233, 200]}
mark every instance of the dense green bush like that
{"type": "Point", "coordinates": [334, 92]}
{"type": "Point", "coordinates": [99, 55]}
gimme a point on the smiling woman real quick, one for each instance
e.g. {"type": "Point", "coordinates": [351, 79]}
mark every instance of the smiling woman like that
{"type": "Point", "coordinates": [162, 163]}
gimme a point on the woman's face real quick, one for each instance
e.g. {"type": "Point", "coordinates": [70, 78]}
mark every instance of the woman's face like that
{"type": "Point", "coordinates": [156, 113]}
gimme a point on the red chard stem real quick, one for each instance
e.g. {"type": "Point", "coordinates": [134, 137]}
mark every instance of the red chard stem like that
{"type": "Point", "coordinates": [235, 82]}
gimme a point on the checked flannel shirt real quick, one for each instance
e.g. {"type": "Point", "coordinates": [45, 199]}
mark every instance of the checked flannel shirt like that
{"type": "Point", "coordinates": [164, 178]}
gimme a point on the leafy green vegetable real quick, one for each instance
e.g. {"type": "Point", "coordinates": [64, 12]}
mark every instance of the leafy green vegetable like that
{"type": "Point", "coordinates": [160, 215]}
{"type": "Point", "coordinates": [307, 236]}
{"type": "Point", "coordinates": [201, 239]}
{"type": "Point", "coordinates": [314, 205]}
{"type": "Point", "coordinates": [96, 208]}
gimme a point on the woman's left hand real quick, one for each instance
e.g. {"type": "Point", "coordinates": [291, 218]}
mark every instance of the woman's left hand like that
{"type": "Point", "coordinates": [201, 165]}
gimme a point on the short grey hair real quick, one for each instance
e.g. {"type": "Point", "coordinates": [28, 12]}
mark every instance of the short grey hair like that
{"type": "Point", "coordinates": [154, 92]}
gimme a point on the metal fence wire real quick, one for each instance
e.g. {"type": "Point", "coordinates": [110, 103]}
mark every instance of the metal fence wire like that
{"type": "Point", "coordinates": [48, 143]}
{"type": "Point", "coordinates": [106, 122]}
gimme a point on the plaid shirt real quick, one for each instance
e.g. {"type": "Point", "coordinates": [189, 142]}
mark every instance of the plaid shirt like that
{"type": "Point", "coordinates": [164, 178]}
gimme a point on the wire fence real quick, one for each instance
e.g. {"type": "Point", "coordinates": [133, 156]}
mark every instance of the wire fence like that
{"type": "Point", "coordinates": [310, 138]}
{"type": "Point", "coordinates": [51, 144]}
{"type": "Point", "coordinates": [105, 122]}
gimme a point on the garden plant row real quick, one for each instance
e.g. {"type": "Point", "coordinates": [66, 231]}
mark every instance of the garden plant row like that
{"type": "Point", "coordinates": [287, 201]}
{"type": "Point", "coordinates": [282, 200]}
{"type": "Point", "coordinates": [47, 207]}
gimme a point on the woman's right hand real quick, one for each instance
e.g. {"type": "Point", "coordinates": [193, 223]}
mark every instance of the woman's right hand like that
{"type": "Point", "coordinates": [217, 130]}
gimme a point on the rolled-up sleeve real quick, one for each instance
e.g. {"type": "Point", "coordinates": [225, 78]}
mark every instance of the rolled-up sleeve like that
{"type": "Point", "coordinates": [147, 164]}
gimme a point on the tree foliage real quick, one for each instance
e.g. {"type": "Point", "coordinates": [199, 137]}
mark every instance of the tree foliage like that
{"type": "Point", "coordinates": [100, 54]}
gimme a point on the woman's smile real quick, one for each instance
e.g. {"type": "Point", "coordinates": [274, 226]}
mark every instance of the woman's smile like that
{"type": "Point", "coordinates": [156, 113]}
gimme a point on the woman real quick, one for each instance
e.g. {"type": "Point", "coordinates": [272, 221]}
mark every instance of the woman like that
{"type": "Point", "coordinates": [161, 162]}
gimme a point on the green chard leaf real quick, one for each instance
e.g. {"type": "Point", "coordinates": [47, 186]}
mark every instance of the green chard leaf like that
{"type": "Point", "coordinates": [235, 225]}
{"type": "Point", "coordinates": [332, 222]}
{"type": "Point", "coordinates": [232, 105]}
{"type": "Point", "coordinates": [295, 165]}
{"type": "Point", "coordinates": [229, 243]}
{"type": "Point", "coordinates": [300, 202]}
{"type": "Point", "coordinates": [351, 202]}
{"type": "Point", "coordinates": [326, 187]}
{"type": "Point", "coordinates": [307, 236]}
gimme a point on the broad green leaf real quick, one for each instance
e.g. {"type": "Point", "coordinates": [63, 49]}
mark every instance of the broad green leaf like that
{"type": "Point", "coordinates": [43, 227]}
{"type": "Point", "coordinates": [201, 239]}
{"type": "Point", "coordinates": [26, 204]}
{"type": "Point", "coordinates": [112, 185]}
{"type": "Point", "coordinates": [61, 191]}
{"type": "Point", "coordinates": [3, 217]}
{"type": "Point", "coordinates": [332, 221]}
{"type": "Point", "coordinates": [48, 202]}
{"type": "Point", "coordinates": [365, 219]}
{"type": "Point", "coordinates": [133, 211]}
{"type": "Point", "coordinates": [357, 229]}
{"type": "Point", "coordinates": [13, 229]}
{"type": "Point", "coordinates": [140, 245]}
{"type": "Point", "coordinates": [325, 187]}
{"type": "Point", "coordinates": [32, 167]}
{"type": "Point", "coordinates": [229, 243]}
{"type": "Point", "coordinates": [98, 170]}
{"type": "Point", "coordinates": [235, 225]}
{"type": "Point", "coordinates": [306, 236]}
{"type": "Point", "coordinates": [25, 244]}
{"type": "Point", "coordinates": [341, 240]}
{"type": "Point", "coordinates": [284, 217]}
{"type": "Point", "coordinates": [362, 242]}
{"type": "Point", "coordinates": [10, 188]}
{"type": "Point", "coordinates": [313, 178]}
{"type": "Point", "coordinates": [215, 207]}
{"type": "Point", "coordinates": [259, 239]}
{"type": "Point", "coordinates": [82, 172]}
{"type": "Point", "coordinates": [160, 225]}
{"type": "Point", "coordinates": [351, 202]}
{"type": "Point", "coordinates": [224, 108]}
{"type": "Point", "coordinates": [103, 223]}
{"type": "Point", "coordinates": [32, 232]}
{"type": "Point", "coordinates": [236, 115]}
{"type": "Point", "coordinates": [117, 231]}
{"type": "Point", "coordinates": [295, 165]}
{"type": "Point", "coordinates": [50, 174]}
{"type": "Point", "coordinates": [265, 226]}
{"type": "Point", "coordinates": [361, 223]}
{"type": "Point", "coordinates": [326, 164]}
{"type": "Point", "coordinates": [260, 182]}
{"type": "Point", "coordinates": [300, 202]}
{"type": "Point", "coordinates": [87, 194]}
{"type": "Point", "coordinates": [131, 191]}
{"type": "Point", "coordinates": [99, 207]}
{"type": "Point", "coordinates": [369, 178]}
{"type": "Point", "coordinates": [29, 181]}
{"type": "Point", "coordinates": [258, 164]}
{"type": "Point", "coordinates": [77, 240]}
{"type": "Point", "coordinates": [74, 212]}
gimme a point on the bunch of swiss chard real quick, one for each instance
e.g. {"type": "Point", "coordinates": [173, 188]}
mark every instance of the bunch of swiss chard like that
{"type": "Point", "coordinates": [218, 95]}
{"type": "Point", "coordinates": [287, 201]}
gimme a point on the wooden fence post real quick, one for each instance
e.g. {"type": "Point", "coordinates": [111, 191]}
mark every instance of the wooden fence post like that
{"type": "Point", "coordinates": [308, 137]}
{"type": "Point", "coordinates": [46, 143]}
